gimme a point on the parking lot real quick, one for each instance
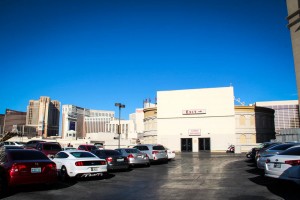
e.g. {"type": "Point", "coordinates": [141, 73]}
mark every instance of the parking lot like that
{"type": "Point", "coordinates": [190, 176]}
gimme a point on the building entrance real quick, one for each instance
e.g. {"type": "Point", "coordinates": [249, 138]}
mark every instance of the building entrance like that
{"type": "Point", "coordinates": [204, 144]}
{"type": "Point", "coordinates": [186, 144]}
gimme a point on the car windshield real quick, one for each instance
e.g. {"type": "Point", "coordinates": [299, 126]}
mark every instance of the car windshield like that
{"type": "Point", "coordinates": [112, 153]}
{"type": "Point", "coordinates": [282, 147]}
{"type": "Point", "coordinates": [292, 152]}
{"type": "Point", "coordinates": [82, 155]}
{"type": "Point", "coordinates": [27, 155]}
{"type": "Point", "coordinates": [90, 148]}
{"type": "Point", "coordinates": [132, 150]}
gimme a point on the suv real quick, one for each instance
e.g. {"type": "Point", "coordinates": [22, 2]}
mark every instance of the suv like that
{"type": "Point", "coordinates": [155, 152]}
{"type": "Point", "coordinates": [49, 148]}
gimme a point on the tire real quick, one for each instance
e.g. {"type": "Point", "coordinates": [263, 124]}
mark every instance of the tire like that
{"type": "Point", "coordinates": [3, 186]}
{"type": "Point", "coordinates": [64, 174]}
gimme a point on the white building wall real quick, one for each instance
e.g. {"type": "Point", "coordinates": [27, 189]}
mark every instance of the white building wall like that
{"type": "Point", "coordinates": [217, 120]}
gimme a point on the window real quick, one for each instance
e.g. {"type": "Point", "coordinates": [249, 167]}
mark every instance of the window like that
{"type": "Point", "coordinates": [61, 155]}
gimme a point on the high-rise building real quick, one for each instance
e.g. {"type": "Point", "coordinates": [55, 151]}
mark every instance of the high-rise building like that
{"type": "Point", "coordinates": [44, 115]}
{"type": "Point", "coordinates": [293, 18]}
{"type": "Point", "coordinates": [286, 113]}
{"type": "Point", "coordinates": [77, 121]}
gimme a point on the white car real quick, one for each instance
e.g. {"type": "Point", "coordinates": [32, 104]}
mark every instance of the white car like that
{"type": "Point", "coordinates": [285, 165]}
{"type": "Point", "coordinates": [171, 154]}
{"type": "Point", "coordinates": [79, 164]}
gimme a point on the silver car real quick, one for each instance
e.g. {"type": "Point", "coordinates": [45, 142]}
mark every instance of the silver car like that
{"type": "Point", "coordinates": [134, 156]}
{"type": "Point", "coordinates": [272, 151]}
{"type": "Point", "coordinates": [155, 152]}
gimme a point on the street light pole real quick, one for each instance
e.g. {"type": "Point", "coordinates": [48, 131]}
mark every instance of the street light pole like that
{"type": "Point", "coordinates": [119, 127]}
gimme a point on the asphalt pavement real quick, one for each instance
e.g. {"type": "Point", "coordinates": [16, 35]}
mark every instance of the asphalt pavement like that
{"type": "Point", "coordinates": [190, 176]}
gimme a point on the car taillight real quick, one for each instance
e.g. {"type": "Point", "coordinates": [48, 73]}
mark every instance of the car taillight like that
{"type": "Point", "coordinates": [51, 166]}
{"type": "Point", "coordinates": [292, 162]}
{"type": "Point", "coordinates": [79, 163]}
{"type": "Point", "coordinates": [154, 152]}
{"type": "Point", "coordinates": [109, 159]}
{"type": "Point", "coordinates": [102, 163]}
{"type": "Point", "coordinates": [130, 156]}
{"type": "Point", "coordinates": [17, 168]}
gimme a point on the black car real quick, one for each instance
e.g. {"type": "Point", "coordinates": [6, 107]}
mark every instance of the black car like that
{"type": "Point", "coordinates": [113, 158]}
{"type": "Point", "coordinates": [252, 153]}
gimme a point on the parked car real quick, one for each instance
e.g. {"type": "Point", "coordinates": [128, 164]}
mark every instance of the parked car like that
{"type": "Point", "coordinates": [171, 154]}
{"type": "Point", "coordinates": [24, 166]}
{"type": "Point", "coordinates": [266, 146]}
{"type": "Point", "coordinates": [285, 165]}
{"type": "Point", "coordinates": [273, 150]}
{"type": "Point", "coordinates": [49, 148]}
{"type": "Point", "coordinates": [252, 153]}
{"type": "Point", "coordinates": [12, 143]}
{"type": "Point", "coordinates": [32, 144]}
{"type": "Point", "coordinates": [134, 156]}
{"type": "Point", "coordinates": [113, 158]}
{"type": "Point", "coordinates": [87, 147]}
{"type": "Point", "coordinates": [155, 152]}
{"type": "Point", "coordinates": [79, 163]}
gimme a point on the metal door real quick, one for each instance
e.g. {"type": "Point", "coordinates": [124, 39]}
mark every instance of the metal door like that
{"type": "Point", "coordinates": [204, 144]}
{"type": "Point", "coordinates": [186, 144]}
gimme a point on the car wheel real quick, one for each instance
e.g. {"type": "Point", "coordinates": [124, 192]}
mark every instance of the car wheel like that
{"type": "Point", "coordinates": [148, 164]}
{"type": "Point", "coordinates": [64, 174]}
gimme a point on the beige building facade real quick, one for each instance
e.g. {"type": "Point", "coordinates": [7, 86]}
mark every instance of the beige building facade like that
{"type": "Point", "coordinates": [254, 125]}
{"type": "Point", "coordinates": [197, 119]}
{"type": "Point", "coordinates": [43, 114]}
{"type": "Point", "coordinates": [150, 124]}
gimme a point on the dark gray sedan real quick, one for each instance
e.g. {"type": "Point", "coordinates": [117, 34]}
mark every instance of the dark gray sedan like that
{"type": "Point", "coordinates": [114, 159]}
{"type": "Point", "coordinates": [135, 156]}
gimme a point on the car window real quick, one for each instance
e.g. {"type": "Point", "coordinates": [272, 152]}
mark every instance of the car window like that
{"type": "Point", "coordinates": [82, 155]}
{"type": "Point", "coordinates": [112, 153]}
{"type": "Point", "coordinates": [142, 148]}
{"type": "Point", "coordinates": [90, 148]}
{"type": "Point", "coordinates": [132, 150]}
{"type": "Point", "coordinates": [27, 155]}
{"type": "Point", "coordinates": [158, 147]}
{"type": "Point", "coordinates": [282, 147]}
{"type": "Point", "coordinates": [292, 151]}
{"type": "Point", "coordinates": [61, 155]}
{"type": "Point", "coordinates": [54, 147]}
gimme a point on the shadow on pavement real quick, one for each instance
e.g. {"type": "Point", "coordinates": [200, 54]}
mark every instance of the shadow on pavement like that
{"type": "Point", "coordinates": [285, 189]}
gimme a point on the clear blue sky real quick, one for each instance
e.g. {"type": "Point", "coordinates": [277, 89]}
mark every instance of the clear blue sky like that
{"type": "Point", "coordinates": [93, 53]}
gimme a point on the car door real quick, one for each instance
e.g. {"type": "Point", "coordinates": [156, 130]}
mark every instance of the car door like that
{"type": "Point", "coordinates": [60, 159]}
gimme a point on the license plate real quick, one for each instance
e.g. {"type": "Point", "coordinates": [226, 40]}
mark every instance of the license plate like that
{"type": "Point", "coordinates": [277, 165]}
{"type": "Point", "coordinates": [95, 169]}
{"type": "Point", "coordinates": [120, 160]}
{"type": "Point", "coordinates": [36, 170]}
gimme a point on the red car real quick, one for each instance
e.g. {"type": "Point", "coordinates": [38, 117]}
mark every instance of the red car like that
{"type": "Point", "coordinates": [25, 166]}
{"type": "Point", "coordinates": [49, 148]}
{"type": "Point", "coordinates": [87, 147]}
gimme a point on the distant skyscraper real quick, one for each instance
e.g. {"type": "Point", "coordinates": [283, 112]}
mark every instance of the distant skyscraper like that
{"type": "Point", "coordinates": [44, 115]}
{"type": "Point", "coordinates": [293, 18]}
{"type": "Point", "coordinates": [13, 118]}
{"type": "Point", "coordinates": [77, 121]}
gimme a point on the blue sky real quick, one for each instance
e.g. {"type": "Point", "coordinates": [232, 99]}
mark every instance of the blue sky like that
{"type": "Point", "coordinates": [93, 53]}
